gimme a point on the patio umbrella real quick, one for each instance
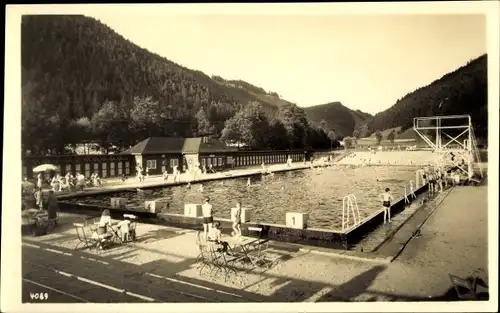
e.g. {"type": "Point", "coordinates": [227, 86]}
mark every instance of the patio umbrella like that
{"type": "Point", "coordinates": [46, 168]}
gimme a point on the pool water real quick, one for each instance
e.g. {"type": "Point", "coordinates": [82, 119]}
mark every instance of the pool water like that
{"type": "Point", "coordinates": [318, 192]}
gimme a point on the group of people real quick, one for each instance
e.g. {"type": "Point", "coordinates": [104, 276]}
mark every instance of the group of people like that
{"type": "Point", "coordinates": [212, 230]}
{"type": "Point", "coordinates": [68, 181]}
{"type": "Point", "coordinates": [142, 173]}
{"type": "Point", "coordinates": [126, 232]}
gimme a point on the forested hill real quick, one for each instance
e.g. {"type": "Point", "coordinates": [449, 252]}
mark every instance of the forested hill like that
{"type": "Point", "coordinates": [463, 91]}
{"type": "Point", "coordinates": [338, 117]}
{"type": "Point", "coordinates": [76, 70]}
{"type": "Point", "coordinates": [259, 92]}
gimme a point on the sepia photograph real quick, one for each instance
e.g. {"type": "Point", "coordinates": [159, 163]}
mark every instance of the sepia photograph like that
{"type": "Point", "coordinates": [207, 153]}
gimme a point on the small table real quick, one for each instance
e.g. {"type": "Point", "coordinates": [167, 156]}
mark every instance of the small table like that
{"type": "Point", "coordinates": [243, 243]}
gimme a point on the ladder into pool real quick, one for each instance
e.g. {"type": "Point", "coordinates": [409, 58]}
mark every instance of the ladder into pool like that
{"type": "Point", "coordinates": [350, 205]}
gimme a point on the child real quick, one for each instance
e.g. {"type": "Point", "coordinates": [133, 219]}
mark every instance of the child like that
{"type": "Point", "coordinates": [386, 198]}
{"type": "Point", "coordinates": [236, 219]}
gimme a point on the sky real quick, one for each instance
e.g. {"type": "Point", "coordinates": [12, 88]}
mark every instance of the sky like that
{"type": "Point", "coordinates": [367, 62]}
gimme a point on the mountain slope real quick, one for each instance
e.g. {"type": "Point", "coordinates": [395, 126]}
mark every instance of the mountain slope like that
{"type": "Point", "coordinates": [463, 91]}
{"type": "Point", "coordinates": [73, 64]}
{"type": "Point", "coordinates": [338, 117]}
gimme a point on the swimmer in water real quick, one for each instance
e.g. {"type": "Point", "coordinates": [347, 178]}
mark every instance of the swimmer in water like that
{"type": "Point", "coordinates": [188, 185]}
{"type": "Point", "coordinates": [249, 183]}
{"type": "Point", "coordinates": [200, 188]}
{"type": "Point", "coordinates": [386, 199]}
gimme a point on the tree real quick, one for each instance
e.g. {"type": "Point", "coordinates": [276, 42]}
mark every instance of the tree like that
{"type": "Point", "coordinates": [145, 117]}
{"type": "Point", "coordinates": [249, 126]}
{"type": "Point", "coordinates": [296, 124]}
{"type": "Point", "coordinates": [348, 142]}
{"type": "Point", "coordinates": [332, 136]}
{"type": "Point", "coordinates": [110, 125]}
{"type": "Point", "coordinates": [378, 136]}
{"type": "Point", "coordinates": [356, 134]}
{"type": "Point", "coordinates": [204, 128]}
{"type": "Point", "coordinates": [391, 136]}
{"type": "Point", "coordinates": [323, 125]}
{"type": "Point", "coordinates": [231, 131]}
{"type": "Point", "coordinates": [277, 136]}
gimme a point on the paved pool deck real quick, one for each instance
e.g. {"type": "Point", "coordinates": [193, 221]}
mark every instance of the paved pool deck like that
{"type": "Point", "coordinates": [453, 239]}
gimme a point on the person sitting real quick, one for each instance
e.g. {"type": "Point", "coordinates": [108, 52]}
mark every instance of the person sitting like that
{"type": "Point", "coordinates": [211, 168]}
{"type": "Point", "coordinates": [104, 222]}
{"type": "Point", "coordinates": [215, 235]}
{"type": "Point", "coordinates": [125, 230]}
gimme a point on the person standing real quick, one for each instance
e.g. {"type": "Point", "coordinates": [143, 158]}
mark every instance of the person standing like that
{"type": "Point", "coordinates": [52, 206]}
{"type": "Point", "coordinates": [39, 198]}
{"type": "Point", "coordinates": [207, 211]}
{"type": "Point", "coordinates": [236, 219]}
{"type": "Point", "coordinates": [39, 181]}
{"type": "Point", "coordinates": [386, 199]}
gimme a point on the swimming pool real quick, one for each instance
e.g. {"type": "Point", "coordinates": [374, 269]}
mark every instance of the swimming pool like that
{"type": "Point", "coordinates": [318, 192]}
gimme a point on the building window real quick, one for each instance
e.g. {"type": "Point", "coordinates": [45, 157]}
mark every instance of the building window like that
{"type": "Point", "coordinates": [112, 169]}
{"type": "Point", "coordinates": [151, 164]}
{"type": "Point", "coordinates": [127, 167]}
{"type": "Point", "coordinates": [174, 162]}
{"type": "Point", "coordinates": [25, 171]}
{"type": "Point", "coordinates": [87, 170]}
{"type": "Point", "coordinates": [220, 161]}
{"type": "Point", "coordinates": [78, 168]}
{"type": "Point", "coordinates": [96, 167]}
{"type": "Point", "coordinates": [68, 169]}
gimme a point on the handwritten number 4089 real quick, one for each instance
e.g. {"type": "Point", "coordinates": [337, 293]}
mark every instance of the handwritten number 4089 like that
{"type": "Point", "coordinates": [39, 296]}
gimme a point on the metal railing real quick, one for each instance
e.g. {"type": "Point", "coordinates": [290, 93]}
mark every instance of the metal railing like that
{"type": "Point", "coordinates": [350, 205]}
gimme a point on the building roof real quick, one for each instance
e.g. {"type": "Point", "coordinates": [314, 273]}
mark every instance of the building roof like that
{"type": "Point", "coordinates": [191, 145]}
{"type": "Point", "coordinates": [212, 146]}
{"type": "Point", "coordinates": [159, 145]}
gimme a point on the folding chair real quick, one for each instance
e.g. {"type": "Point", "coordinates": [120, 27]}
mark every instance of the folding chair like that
{"type": "Point", "coordinates": [261, 253]}
{"type": "Point", "coordinates": [465, 289]}
{"type": "Point", "coordinates": [205, 256]}
{"type": "Point", "coordinates": [84, 238]}
{"type": "Point", "coordinates": [262, 241]}
{"type": "Point", "coordinates": [222, 262]}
